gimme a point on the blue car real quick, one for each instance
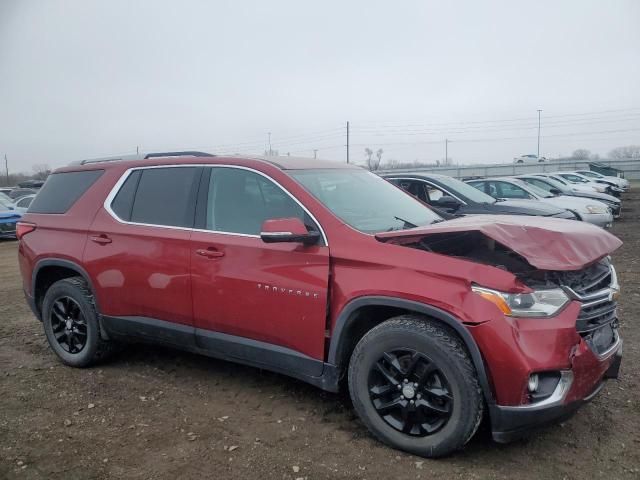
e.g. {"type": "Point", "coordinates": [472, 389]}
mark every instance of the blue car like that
{"type": "Point", "coordinates": [8, 219]}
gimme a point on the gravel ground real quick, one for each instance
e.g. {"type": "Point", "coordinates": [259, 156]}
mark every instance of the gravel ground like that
{"type": "Point", "coordinates": [158, 413]}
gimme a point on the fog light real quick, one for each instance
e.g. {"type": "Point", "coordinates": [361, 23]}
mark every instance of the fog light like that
{"type": "Point", "coordinates": [533, 383]}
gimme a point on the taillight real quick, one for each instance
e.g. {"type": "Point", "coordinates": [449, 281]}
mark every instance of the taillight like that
{"type": "Point", "coordinates": [22, 228]}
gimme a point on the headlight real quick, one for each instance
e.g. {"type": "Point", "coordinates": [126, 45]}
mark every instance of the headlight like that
{"type": "Point", "coordinates": [596, 209]}
{"type": "Point", "coordinates": [540, 303]}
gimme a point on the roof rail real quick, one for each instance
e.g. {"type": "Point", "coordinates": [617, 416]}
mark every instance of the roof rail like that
{"type": "Point", "coordinates": [178, 154]}
{"type": "Point", "coordinates": [142, 156]}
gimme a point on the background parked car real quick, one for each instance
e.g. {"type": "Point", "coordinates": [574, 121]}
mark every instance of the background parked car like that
{"type": "Point", "coordinates": [588, 210]}
{"type": "Point", "coordinates": [8, 218]}
{"type": "Point", "coordinates": [22, 203]}
{"type": "Point", "coordinates": [530, 158]}
{"type": "Point", "coordinates": [576, 178]}
{"type": "Point", "coordinates": [556, 187]}
{"type": "Point", "coordinates": [21, 192]}
{"type": "Point", "coordinates": [623, 183]}
{"type": "Point", "coordinates": [456, 197]}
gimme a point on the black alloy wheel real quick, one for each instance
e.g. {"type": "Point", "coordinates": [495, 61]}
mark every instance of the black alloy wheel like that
{"type": "Point", "coordinates": [69, 325]}
{"type": "Point", "coordinates": [410, 392]}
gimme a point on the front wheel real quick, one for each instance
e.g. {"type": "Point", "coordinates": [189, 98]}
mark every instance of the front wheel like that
{"type": "Point", "coordinates": [413, 385]}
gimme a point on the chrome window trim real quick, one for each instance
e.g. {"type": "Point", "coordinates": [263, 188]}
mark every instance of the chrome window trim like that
{"type": "Point", "coordinates": [118, 185]}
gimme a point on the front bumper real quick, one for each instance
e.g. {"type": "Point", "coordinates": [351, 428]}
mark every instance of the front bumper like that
{"type": "Point", "coordinates": [511, 423]}
{"type": "Point", "coordinates": [604, 220]}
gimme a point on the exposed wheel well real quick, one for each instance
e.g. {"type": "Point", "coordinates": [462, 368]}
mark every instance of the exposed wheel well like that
{"type": "Point", "coordinates": [47, 276]}
{"type": "Point", "coordinates": [364, 313]}
{"type": "Point", "coordinates": [364, 319]}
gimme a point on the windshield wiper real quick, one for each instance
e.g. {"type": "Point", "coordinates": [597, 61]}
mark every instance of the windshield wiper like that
{"type": "Point", "coordinates": [407, 223]}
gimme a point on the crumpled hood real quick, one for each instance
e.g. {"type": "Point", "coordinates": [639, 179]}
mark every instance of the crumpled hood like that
{"type": "Point", "coordinates": [546, 243]}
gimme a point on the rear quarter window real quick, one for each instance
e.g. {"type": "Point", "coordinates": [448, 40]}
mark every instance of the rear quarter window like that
{"type": "Point", "coordinates": [62, 190]}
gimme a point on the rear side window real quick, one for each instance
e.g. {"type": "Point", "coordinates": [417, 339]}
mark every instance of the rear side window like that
{"type": "Point", "coordinates": [159, 196]}
{"type": "Point", "coordinates": [123, 202]}
{"type": "Point", "coordinates": [62, 190]}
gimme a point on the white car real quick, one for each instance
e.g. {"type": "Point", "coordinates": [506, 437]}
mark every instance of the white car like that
{"type": "Point", "coordinates": [576, 187]}
{"type": "Point", "coordinates": [22, 204]}
{"type": "Point", "coordinates": [621, 182]}
{"type": "Point", "coordinates": [530, 158]}
{"type": "Point", "coordinates": [573, 177]}
{"type": "Point", "coordinates": [585, 209]}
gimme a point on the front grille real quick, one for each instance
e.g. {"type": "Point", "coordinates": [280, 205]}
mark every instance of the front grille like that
{"type": "Point", "coordinates": [8, 227]}
{"type": "Point", "coordinates": [594, 288]}
{"type": "Point", "coordinates": [587, 281]}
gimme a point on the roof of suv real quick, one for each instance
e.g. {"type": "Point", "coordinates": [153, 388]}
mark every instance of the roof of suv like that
{"type": "Point", "coordinates": [283, 163]}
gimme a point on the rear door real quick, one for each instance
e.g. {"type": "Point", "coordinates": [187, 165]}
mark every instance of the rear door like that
{"type": "Point", "coordinates": [266, 299]}
{"type": "Point", "coordinates": [138, 253]}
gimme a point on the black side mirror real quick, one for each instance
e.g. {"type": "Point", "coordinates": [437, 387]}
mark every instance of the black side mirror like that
{"type": "Point", "coordinates": [287, 230]}
{"type": "Point", "coordinates": [555, 191]}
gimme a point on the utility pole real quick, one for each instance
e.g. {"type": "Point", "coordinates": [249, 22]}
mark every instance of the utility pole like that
{"type": "Point", "coordinates": [446, 151]}
{"type": "Point", "coordinates": [539, 134]}
{"type": "Point", "coordinates": [6, 167]}
{"type": "Point", "coordinates": [315, 153]}
{"type": "Point", "coordinates": [347, 142]}
{"type": "Point", "coordinates": [270, 144]}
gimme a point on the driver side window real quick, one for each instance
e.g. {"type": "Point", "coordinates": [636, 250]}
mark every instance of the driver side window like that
{"type": "Point", "coordinates": [509, 190]}
{"type": "Point", "coordinates": [239, 201]}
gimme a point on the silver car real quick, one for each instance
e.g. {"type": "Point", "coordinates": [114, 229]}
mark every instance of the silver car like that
{"type": "Point", "coordinates": [588, 210]}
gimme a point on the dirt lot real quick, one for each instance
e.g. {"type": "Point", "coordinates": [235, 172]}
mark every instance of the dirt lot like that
{"type": "Point", "coordinates": [158, 413]}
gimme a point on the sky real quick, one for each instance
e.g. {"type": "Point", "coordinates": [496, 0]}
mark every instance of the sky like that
{"type": "Point", "coordinates": [84, 79]}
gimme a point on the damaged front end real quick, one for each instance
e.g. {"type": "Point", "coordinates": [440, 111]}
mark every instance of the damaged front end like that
{"type": "Point", "coordinates": [560, 336]}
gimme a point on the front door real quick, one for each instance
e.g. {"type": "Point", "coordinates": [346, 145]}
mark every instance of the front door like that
{"type": "Point", "coordinates": [259, 297]}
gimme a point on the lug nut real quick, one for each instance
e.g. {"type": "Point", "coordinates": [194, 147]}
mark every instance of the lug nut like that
{"type": "Point", "coordinates": [415, 385]}
{"type": "Point", "coordinates": [411, 402]}
{"type": "Point", "coordinates": [402, 397]}
{"type": "Point", "coordinates": [399, 387]}
{"type": "Point", "coordinates": [418, 396]}
{"type": "Point", "coordinates": [406, 381]}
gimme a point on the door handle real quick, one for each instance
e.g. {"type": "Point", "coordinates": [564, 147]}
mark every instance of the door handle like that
{"type": "Point", "coordinates": [100, 239]}
{"type": "Point", "coordinates": [209, 252]}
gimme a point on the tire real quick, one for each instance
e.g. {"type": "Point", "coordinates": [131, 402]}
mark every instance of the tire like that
{"type": "Point", "coordinates": [72, 296]}
{"type": "Point", "coordinates": [448, 404]}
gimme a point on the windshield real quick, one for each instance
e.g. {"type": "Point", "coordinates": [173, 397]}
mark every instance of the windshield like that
{"type": "Point", "coordinates": [536, 190]}
{"type": "Point", "coordinates": [574, 178]}
{"type": "Point", "coordinates": [559, 179]}
{"type": "Point", "coordinates": [466, 190]}
{"type": "Point", "coordinates": [365, 201]}
{"type": "Point", "coordinates": [4, 204]}
{"type": "Point", "coordinates": [547, 184]}
{"type": "Point", "coordinates": [590, 174]}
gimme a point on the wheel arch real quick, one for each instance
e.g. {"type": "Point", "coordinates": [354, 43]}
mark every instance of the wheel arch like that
{"type": "Point", "coordinates": [48, 271]}
{"type": "Point", "coordinates": [350, 327]}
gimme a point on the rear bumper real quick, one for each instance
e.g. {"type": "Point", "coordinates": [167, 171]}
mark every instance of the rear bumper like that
{"type": "Point", "coordinates": [511, 423]}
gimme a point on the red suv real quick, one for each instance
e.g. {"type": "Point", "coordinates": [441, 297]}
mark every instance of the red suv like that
{"type": "Point", "coordinates": [326, 272]}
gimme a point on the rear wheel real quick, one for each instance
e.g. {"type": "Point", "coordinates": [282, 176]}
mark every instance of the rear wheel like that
{"type": "Point", "coordinates": [414, 386]}
{"type": "Point", "coordinates": [71, 323]}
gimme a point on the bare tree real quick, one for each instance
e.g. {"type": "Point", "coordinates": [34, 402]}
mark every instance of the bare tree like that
{"type": "Point", "coordinates": [379, 158]}
{"type": "Point", "coordinates": [581, 154]}
{"type": "Point", "coordinates": [41, 171]}
{"type": "Point", "coordinates": [628, 152]}
{"type": "Point", "coordinates": [368, 153]}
